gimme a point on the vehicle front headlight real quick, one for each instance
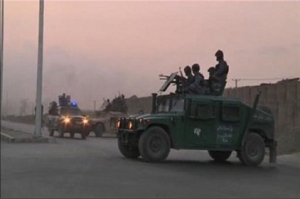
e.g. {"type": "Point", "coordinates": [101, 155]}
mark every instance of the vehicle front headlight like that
{"type": "Point", "coordinates": [118, 124]}
{"type": "Point", "coordinates": [130, 125]}
{"type": "Point", "coordinates": [66, 120]}
{"type": "Point", "coordinates": [85, 121]}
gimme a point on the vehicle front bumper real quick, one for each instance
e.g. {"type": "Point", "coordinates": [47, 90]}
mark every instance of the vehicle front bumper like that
{"type": "Point", "coordinates": [127, 136]}
{"type": "Point", "coordinates": [76, 128]}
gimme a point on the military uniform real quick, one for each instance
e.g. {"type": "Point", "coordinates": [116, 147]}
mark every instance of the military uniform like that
{"type": "Point", "coordinates": [221, 71]}
{"type": "Point", "coordinates": [186, 82]}
{"type": "Point", "coordinates": [197, 87]}
{"type": "Point", "coordinates": [190, 80]}
{"type": "Point", "coordinates": [220, 74]}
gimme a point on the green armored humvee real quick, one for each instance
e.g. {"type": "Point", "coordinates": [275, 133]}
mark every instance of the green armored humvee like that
{"type": "Point", "coordinates": [217, 124]}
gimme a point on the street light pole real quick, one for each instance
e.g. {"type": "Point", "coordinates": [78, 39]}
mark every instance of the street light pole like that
{"type": "Point", "coordinates": [38, 113]}
{"type": "Point", "coordinates": [1, 58]}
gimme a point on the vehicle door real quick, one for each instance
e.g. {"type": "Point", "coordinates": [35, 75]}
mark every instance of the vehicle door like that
{"type": "Point", "coordinates": [200, 124]}
{"type": "Point", "coordinates": [230, 124]}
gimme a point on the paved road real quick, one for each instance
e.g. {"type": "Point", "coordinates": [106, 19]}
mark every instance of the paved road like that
{"type": "Point", "coordinates": [94, 168]}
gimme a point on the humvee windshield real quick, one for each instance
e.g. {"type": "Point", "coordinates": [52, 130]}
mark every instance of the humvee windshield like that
{"type": "Point", "coordinates": [70, 111]}
{"type": "Point", "coordinates": [170, 105]}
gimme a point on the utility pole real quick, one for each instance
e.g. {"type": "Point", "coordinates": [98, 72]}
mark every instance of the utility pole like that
{"type": "Point", "coordinates": [6, 104]}
{"type": "Point", "coordinates": [95, 105]}
{"type": "Point", "coordinates": [23, 108]}
{"type": "Point", "coordinates": [1, 57]}
{"type": "Point", "coordinates": [236, 82]}
{"type": "Point", "coordinates": [38, 115]}
{"type": "Point", "coordinates": [32, 108]}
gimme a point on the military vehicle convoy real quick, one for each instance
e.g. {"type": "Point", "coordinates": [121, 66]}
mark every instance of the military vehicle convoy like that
{"type": "Point", "coordinates": [106, 118]}
{"type": "Point", "coordinates": [214, 123]}
{"type": "Point", "coordinates": [67, 118]}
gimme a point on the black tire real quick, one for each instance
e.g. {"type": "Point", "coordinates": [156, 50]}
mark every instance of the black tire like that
{"type": "Point", "coordinates": [61, 131]}
{"type": "Point", "coordinates": [154, 144]}
{"type": "Point", "coordinates": [252, 152]}
{"type": "Point", "coordinates": [99, 130]}
{"type": "Point", "coordinates": [72, 134]}
{"type": "Point", "coordinates": [83, 135]}
{"type": "Point", "coordinates": [129, 151]}
{"type": "Point", "coordinates": [51, 132]}
{"type": "Point", "coordinates": [219, 156]}
{"type": "Point", "coordinates": [88, 134]}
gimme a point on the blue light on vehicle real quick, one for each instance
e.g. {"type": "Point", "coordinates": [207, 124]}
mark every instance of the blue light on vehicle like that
{"type": "Point", "coordinates": [73, 103]}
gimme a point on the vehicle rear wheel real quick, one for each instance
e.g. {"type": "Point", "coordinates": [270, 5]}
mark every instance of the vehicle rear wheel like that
{"type": "Point", "coordinates": [154, 144]}
{"type": "Point", "coordinates": [51, 132]}
{"type": "Point", "coordinates": [61, 131]}
{"type": "Point", "coordinates": [129, 151]}
{"type": "Point", "coordinates": [83, 135]}
{"type": "Point", "coordinates": [219, 156]}
{"type": "Point", "coordinates": [88, 134]}
{"type": "Point", "coordinates": [252, 152]}
{"type": "Point", "coordinates": [99, 130]}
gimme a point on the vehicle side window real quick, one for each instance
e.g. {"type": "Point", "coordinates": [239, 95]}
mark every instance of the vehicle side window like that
{"type": "Point", "coordinates": [177, 105]}
{"type": "Point", "coordinates": [230, 112]}
{"type": "Point", "coordinates": [202, 110]}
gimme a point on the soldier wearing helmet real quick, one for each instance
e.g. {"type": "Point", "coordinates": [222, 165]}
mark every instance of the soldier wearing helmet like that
{"type": "Point", "coordinates": [198, 86]}
{"type": "Point", "coordinates": [189, 76]}
{"type": "Point", "coordinates": [221, 69]}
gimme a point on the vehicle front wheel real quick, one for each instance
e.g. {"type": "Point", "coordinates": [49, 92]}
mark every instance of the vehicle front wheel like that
{"type": "Point", "coordinates": [61, 131]}
{"type": "Point", "coordinates": [72, 134]}
{"type": "Point", "coordinates": [252, 152]}
{"type": "Point", "coordinates": [154, 144]}
{"type": "Point", "coordinates": [129, 151]}
{"type": "Point", "coordinates": [219, 156]}
{"type": "Point", "coordinates": [99, 130]}
{"type": "Point", "coordinates": [83, 135]}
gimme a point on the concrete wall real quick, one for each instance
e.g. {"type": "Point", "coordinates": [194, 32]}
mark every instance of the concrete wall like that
{"type": "Point", "coordinates": [283, 98]}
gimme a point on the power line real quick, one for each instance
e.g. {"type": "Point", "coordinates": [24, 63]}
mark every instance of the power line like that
{"type": "Point", "coordinates": [236, 80]}
{"type": "Point", "coordinates": [262, 79]}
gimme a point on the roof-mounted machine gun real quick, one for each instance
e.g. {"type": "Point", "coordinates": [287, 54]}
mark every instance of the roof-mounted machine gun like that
{"type": "Point", "coordinates": [173, 78]}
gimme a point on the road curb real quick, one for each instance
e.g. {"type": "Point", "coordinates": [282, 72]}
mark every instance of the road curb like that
{"type": "Point", "coordinates": [11, 139]}
{"type": "Point", "coordinates": [6, 137]}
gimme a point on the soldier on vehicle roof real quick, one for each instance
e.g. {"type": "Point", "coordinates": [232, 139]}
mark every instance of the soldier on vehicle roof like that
{"type": "Point", "coordinates": [211, 80]}
{"type": "Point", "coordinates": [197, 87]}
{"type": "Point", "coordinates": [221, 69]}
{"type": "Point", "coordinates": [190, 78]}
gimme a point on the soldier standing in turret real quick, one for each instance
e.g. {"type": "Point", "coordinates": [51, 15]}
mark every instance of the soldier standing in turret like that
{"type": "Point", "coordinates": [221, 69]}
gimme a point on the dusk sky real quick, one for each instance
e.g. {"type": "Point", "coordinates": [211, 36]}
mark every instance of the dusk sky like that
{"type": "Point", "coordinates": [93, 49]}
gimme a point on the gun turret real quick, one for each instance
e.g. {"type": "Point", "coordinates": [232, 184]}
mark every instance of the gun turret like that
{"type": "Point", "coordinates": [163, 77]}
{"type": "Point", "coordinates": [173, 78]}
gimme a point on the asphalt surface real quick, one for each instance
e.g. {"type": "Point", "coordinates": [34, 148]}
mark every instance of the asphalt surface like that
{"type": "Point", "coordinates": [94, 168]}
